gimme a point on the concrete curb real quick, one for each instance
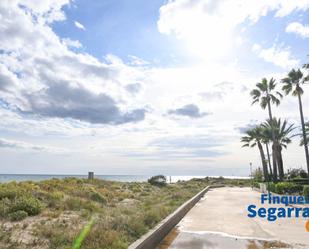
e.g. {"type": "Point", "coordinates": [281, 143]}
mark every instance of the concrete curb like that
{"type": "Point", "coordinates": [152, 239]}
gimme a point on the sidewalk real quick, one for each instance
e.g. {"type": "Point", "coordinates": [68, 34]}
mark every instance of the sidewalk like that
{"type": "Point", "coordinates": [219, 220]}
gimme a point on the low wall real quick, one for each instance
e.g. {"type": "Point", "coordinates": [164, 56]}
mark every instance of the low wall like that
{"type": "Point", "coordinates": [151, 239]}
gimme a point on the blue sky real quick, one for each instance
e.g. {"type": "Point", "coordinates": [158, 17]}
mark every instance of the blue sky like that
{"type": "Point", "coordinates": [142, 87]}
{"type": "Point", "coordinates": [127, 28]}
{"type": "Point", "coordinates": [121, 28]}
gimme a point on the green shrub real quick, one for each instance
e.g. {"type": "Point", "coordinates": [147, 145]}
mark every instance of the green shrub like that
{"type": "Point", "coordinates": [288, 187]}
{"type": "Point", "coordinates": [151, 217]}
{"type": "Point", "coordinates": [306, 191]}
{"type": "Point", "coordinates": [159, 180]}
{"type": "Point", "coordinates": [297, 173]}
{"type": "Point", "coordinates": [10, 193]}
{"type": "Point", "coordinates": [272, 187]}
{"type": "Point", "coordinates": [135, 227]}
{"type": "Point", "coordinates": [95, 196]}
{"type": "Point", "coordinates": [4, 207]}
{"type": "Point", "coordinates": [77, 204]}
{"type": "Point", "coordinates": [258, 175]}
{"type": "Point", "coordinates": [28, 204]}
{"type": "Point", "coordinates": [72, 203]}
{"type": "Point", "coordinates": [59, 235]}
{"type": "Point", "coordinates": [18, 215]}
{"type": "Point", "coordinates": [51, 199]}
{"type": "Point", "coordinates": [100, 237]}
{"type": "Point", "coordinates": [256, 185]}
{"type": "Point", "coordinates": [300, 181]}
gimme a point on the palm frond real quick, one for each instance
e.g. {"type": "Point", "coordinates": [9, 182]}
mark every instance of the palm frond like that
{"type": "Point", "coordinates": [279, 94]}
{"type": "Point", "coordinates": [254, 101]}
{"type": "Point", "coordinates": [271, 84]}
{"type": "Point", "coordinates": [264, 102]}
{"type": "Point", "coordinates": [274, 100]}
{"type": "Point", "coordinates": [287, 87]}
{"type": "Point", "coordinates": [255, 93]}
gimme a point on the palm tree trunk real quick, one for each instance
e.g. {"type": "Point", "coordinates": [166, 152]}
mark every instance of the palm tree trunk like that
{"type": "Point", "coordinates": [304, 130]}
{"type": "Point", "coordinates": [268, 157]}
{"type": "Point", "coordinates": [265, 172]}
{"type": "Point", "coordinates": [275, 177]}
{"type": "Point", "coordinates": [280, 163]}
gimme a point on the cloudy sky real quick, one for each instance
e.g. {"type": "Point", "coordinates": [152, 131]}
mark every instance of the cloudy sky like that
{"type": "Point", "coordinates": [142, 87]}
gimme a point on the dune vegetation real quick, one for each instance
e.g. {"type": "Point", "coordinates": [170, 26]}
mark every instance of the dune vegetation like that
{"type": "Point", "coordinates": [52, 213]}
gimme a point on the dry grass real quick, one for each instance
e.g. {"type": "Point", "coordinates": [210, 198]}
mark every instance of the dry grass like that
{"type": "Point", "coordinates": [58, 210]}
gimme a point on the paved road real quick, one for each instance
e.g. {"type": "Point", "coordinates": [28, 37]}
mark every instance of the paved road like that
{"type": "Point", "coordinates": [219, 220]}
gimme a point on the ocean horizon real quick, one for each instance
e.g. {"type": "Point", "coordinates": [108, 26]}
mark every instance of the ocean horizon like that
{"type": "Point", "coordinates": [122, 178]}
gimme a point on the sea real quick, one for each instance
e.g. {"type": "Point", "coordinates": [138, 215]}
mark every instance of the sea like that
{"type": "Point", "coordinates": [122, 178]}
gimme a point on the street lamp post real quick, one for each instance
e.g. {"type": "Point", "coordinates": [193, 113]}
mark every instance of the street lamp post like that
{"type": "Point", "coordinates": [251, 175]}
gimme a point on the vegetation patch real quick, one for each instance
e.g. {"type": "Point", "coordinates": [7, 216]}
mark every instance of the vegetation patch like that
{"type": "Point", "coordinates": [53, 213]}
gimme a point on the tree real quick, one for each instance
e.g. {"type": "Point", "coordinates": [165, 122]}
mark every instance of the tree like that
{"type": "Point", "coordinates": [158, 180]}
{"type": "Point", "coordinates": [265, 94]}
{"type": "Point", "coordinates": [292, 84]}
{"type": "Point", "coordinates": [267, 136]}
{"type": "Point", "coordinates": [307, 133]}
{"type": "Point", "coordinates": [297, 173]}
{"type": "Point", "coordinates": [283, 136]}
{"type": "Point", "coordinates": [254, 137]}
{"type": "Point", "coordinates": [306, 66]}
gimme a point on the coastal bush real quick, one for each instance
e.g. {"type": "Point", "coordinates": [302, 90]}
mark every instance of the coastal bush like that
{"type": "Point", "coordinates": [133, 208]}
{"type": "Point", "coordinates": [151, 217]}
{"type": "Point", "coordinates": [95, 196]}
{"type": "Point", "coordinates": [135, 227]}
{"type": "Point", "coordinates": [159, 180]}
{"type": "Point", "coordinates": [258, 175]}
{"type": "Point", "coordinates": [14, 208]}
{"type": "Point", "coordinates": [51, 199]}
{"type": "Point", "coordinates": [4, 207]}
{"type": "Point", "coordinates": [256, 185]}
{"type": "Point", "coordinates": [77, 204]}
{"type": "Point", "coordinates": [8, 193]}
{"type": "Point", "coordinates": [297, 173]}
{"type": "Point", "coordinates": [271, 187]}
{"type": "Point", "coordinates": [18, 215]}
{"type": "Point", "coordinates": [288, 188]}
{"type": "Point", "coordinates": [306, 191]}
{"type": "Point", "coordinates": [72, 203]}
{"type": "Point", "coordinates": [300, 181]}
{"type": "Point", "coordinates": [59, 235]}
{"type": "Point", "coordinates": [28, 204]}
{"type": "Point", "coordinates": [101, 237]}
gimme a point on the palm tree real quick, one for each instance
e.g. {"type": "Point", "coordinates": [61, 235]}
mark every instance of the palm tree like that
{"type": "Point", "coordinates": [282, 132]}
{"type": "Point", "coordinates": [267, 136]}
{"type": "Point", "coordinates": [266, 95]}
{"type": "Point", "coordinates": [292, 84]}
{"type": "Point", "coordinates": [307, 133]}
{"type": "Point", "coordinates": [306, 66]}
{"type": "Point", "coordinates": [254, 137]}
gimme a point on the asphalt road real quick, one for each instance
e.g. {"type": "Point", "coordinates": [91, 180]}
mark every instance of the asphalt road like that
{"type": "Point", "coordinates": [219, 220]}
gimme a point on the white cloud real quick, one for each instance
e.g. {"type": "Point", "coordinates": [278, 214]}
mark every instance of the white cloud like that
{"type": "Point", "coordinates": [45, 11]}
{"type": "Point", "coordinates": [79, 25]}
{"type": "Point", "coordinates": [13, 144]}
{"type": "Point", "coordinates": [208, 27]}
{"type": "Point", "coordinates": [277, 55]}
{"type": "Point", "coordinates": [72, 43]}
{"type": "Point", "coordinates": [298, 28]}
{"type": "Point", "coordinates": [63, 98]}
{"type": "Point", "coordinates": [136, 61]}
{"type": "Point", "coordinates": [52, 81]}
